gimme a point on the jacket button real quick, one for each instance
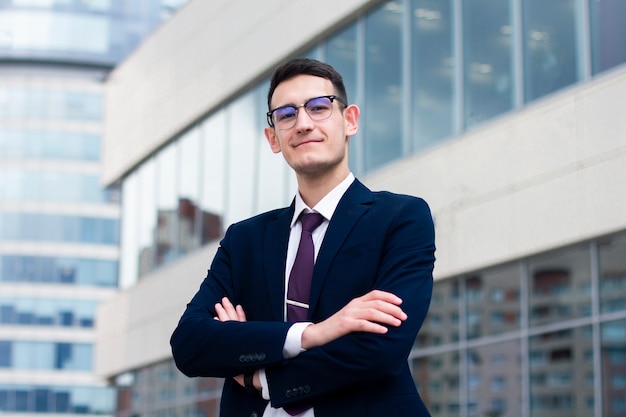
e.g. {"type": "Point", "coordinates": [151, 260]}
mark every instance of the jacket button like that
{"type": "Point", "coordinates": [254, 414]}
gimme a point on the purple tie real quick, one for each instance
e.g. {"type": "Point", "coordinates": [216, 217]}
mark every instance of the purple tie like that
{"type": "Point", "coordinates": [302, 271]}
{"type": "Point", "coordinates": [300, 281]}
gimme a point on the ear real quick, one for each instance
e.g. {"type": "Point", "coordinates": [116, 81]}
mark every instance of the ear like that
{"type": "Point", "coordinates": [351, 117]}
{"type": "Point", "coordinates": [270, 135]}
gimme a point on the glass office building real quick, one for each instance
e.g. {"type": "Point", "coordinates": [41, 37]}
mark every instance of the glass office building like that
{"type": "Point", "coordinates": [59, 227]}
{"type": "Point", "coordinates": [471, 90]}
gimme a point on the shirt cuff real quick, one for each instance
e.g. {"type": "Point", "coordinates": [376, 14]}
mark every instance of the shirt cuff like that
{"type": "Point", "coordinates": [291, 349]}
{"type": "Point", "coordinates": [293, 341]}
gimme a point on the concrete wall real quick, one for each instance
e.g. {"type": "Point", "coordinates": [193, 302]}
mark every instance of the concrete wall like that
{"type": "Point", "coordinates": [210, 51]}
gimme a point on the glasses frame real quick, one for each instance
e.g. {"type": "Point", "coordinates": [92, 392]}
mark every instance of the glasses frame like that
{"type": "Point", "coordinates": [332, 98]}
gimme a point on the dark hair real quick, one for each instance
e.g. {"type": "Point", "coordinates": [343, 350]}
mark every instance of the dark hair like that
{"type": "Point", "coordinates": [306, 66]}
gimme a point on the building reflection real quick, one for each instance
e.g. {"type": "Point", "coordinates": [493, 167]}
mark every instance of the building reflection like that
{"type": "Point", "coordinates": [178, 232]}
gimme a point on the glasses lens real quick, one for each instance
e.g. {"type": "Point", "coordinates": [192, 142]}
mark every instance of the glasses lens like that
{"type": "Point", "coordinates": [284, 116]}
{"type": "Point", "coordinates": [319, 108]}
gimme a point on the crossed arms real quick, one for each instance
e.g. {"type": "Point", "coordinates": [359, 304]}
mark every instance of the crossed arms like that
{"type": "Point", "coordinates": [368, 313]}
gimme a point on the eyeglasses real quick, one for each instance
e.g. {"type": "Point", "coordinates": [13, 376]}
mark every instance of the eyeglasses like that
{"type": "Point", "coordinates": [318, 108]}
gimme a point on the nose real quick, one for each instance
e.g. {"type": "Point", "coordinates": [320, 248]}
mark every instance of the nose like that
{"type": "Point", "coordinates": [304, 123]}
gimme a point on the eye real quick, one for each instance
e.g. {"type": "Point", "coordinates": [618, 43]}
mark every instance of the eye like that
{"type": "Point", "coordinates": [318, 105]}
{"type": "Point", "coordinates": [284, 113]}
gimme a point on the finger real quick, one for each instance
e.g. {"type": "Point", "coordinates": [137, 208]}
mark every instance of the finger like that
{"type": "Point", "coordinates": [366, 309]}
{"type": "Point", "coordinates": [239, 379]}
{"type": "Point", "coordinates": [221, 313]}
{"type": "Point", "coordinates": [382, 317]}
{"type": "Point", "coordinates": [388, 308]}
{"type": "Point", "coordinates": [230, 309]}
{"type": "Point", "coordinates": [363, 325]}
{"type": "Point", "coordinates": [241, 314]}
{"type": "Point", "coordinates": [374, 312]}
{"type": "Point", "coordinates": [382, 296]}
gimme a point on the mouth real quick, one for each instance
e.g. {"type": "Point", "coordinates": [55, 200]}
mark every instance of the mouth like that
{"type": "Point", "coordinates": [306, 142]}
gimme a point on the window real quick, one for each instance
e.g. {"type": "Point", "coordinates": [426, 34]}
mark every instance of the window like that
{"type": "Point", "coordinates": [550, 49]}
{"type": "Point", "coordinates": [488, 52]}
{"type": "Point", "coordinates": [383, 135]}
{"type": "Point", "coordinates": [608, 34]}
{"type": "Point", "coordinates": [432, 71]}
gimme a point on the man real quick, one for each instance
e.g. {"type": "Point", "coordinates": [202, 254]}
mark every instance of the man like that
{"type": "Point", "coordinates": [369, 291]}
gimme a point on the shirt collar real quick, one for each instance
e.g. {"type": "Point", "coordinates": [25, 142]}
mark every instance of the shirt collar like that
{"type": "Point", "coordinates": [327, 205]}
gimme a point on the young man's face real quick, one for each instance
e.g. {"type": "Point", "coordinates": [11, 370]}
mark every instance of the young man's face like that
{"type": "Point", "coordinates": [310, 147]}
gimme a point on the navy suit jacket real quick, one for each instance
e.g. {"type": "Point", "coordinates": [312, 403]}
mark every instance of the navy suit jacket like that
{"type": "Point", "coordinates": [375, 240]}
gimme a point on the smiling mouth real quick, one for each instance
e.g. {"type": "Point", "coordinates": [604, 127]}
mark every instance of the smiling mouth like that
{"type": "Point", "coordinates": [306, 142]}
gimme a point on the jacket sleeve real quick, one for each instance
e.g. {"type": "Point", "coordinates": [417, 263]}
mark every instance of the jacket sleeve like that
{"type": "Point", "coordinates": [361, 359]}
{"type": "Point", "coordinates": [203, 346]}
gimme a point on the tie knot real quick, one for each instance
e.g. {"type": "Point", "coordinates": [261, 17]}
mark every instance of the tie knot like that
{"type": "Point", "coordinates": [310, 221]}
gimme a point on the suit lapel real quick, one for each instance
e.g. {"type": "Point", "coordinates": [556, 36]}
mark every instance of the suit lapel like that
{"type": "Point", "coordinates": [275, 258]}
{"type": "Point", "coordinates": [351, 207]}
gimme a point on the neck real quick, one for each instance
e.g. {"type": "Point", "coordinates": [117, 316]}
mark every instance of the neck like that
{"type": "Point", "coordinates": [313, 188]}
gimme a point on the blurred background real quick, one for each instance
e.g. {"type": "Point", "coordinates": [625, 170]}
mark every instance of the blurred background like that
{"type": "Point", "coordinates": [131, 136]}
{"type": "Point", "coordinates": [59, 226]}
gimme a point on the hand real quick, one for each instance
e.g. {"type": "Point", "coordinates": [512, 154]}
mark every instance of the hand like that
{"type": "Point", "coordinates": [226, 311]}
{"type": "Point", "coordinates": [369, 313]}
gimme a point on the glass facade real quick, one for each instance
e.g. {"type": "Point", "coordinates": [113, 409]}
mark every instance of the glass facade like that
{"type": "Point", "coordinates": [58, 270]}
{"type": "Point", "coordinates": [49, 144]}
{"type": "Point", "coordinates": [531, 341]}
{"type": "Point", "coordinates": [47, 312]}
{"type": "Point", "coordinates": [160, 389]}
{"type": "Point", "coordinates": [422, 71]}
{"type": "Point", "coordinates": [487, 60]}
{"type": "Point", "coordinates": [57, 399]}
{"type": "Point", "coordinates": [45, 355]}
{"type": "Point", "coordinates": [59, 237]}
{"type": "Point", "coordinates": [608, 34]}
{"type": "Point", "coordinates": [59, 229]}
{"type": "Point", "coordinates": [96, 32]}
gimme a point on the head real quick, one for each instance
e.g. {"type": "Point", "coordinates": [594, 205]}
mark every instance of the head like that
{"type": "Point", "coordinates": [315, 144]}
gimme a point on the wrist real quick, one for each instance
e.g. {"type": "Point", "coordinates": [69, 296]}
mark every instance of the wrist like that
{"type": "Point", "coordinates": [256, 381]}
{"type": "Point", "coordinates": [312, 336]}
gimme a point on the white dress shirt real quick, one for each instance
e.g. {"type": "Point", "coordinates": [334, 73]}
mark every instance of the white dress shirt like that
{"type": "Point", "coordinates": [293, 344]}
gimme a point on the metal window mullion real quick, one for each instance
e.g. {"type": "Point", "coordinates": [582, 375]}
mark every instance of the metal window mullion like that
{"type": "Point", "coordinates": [360, 91]}
{"type": "Point", "coordinates": [177, 177]}
{"type": "Point", "coordinates": [457, 47]}
{"type": "Point", "coordinates": [227, 150]}
{"type": "Point", "coordinates": [583, 30]}
{"type": "Point", "coordinates": [407, 65]}
{"type": "Point", "coordinates": [199, 209]}
{"type": "Point", "coordinates": [518, 53]}
{"type": "Point", "coordinates": [524, 342]}
{"type": "Point", "coordinates": [259, 120]}
{"type": "Point", "coordinates": [596, 334]}
{"type": "Point", "coordinates": [463, 352]}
